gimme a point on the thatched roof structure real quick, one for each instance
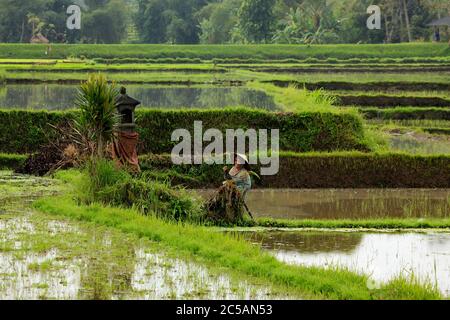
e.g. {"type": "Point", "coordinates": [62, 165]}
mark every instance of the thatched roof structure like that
{"type": "Point", "coordinates": [39, 38]}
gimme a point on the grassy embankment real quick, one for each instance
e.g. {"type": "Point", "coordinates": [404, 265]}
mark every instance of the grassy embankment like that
{"type": "Point", "coordinates": [11, 161]}
{"type": "Point", "coordinates": [321, 170]}
{"type": "Point", "coordinates": [406, 113]}
{"type": "Point", "coordinates": [323, 128]}
{"type": "Point", "coordinates": [62, 51]}
{"type": "Point", "coordinates": [221, 250]}
{"type": "Point", "coordinates": [207, 72]}
{"type": "Point", "coordinates": [441, 127]}
{"type": "Point", "coordinates": [375, 224]}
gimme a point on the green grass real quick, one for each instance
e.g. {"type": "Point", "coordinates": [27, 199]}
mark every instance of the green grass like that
{"type": "Point", "coordinates": [149, 77]}
{"type": "Point", "coordinates": [80, 67]}
{"type": "Point", "coordinates": [297, 99]}
{"type": "Point", "coordinates": [223, 250]}
{"type": "Point", "coordinates": [206, 73]}
{"type": "Point", "coordinates": [10, 161]}
{"type": "Point", "coordinates": [382, 223]}
{"type": "Point", "coordinates": [344, 51]}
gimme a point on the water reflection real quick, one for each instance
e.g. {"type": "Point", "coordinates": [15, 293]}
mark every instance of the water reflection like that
{"type": "Point", "coordinates": [308, 242]}
{"type": "Point", "coordinates": [352, 203]}
{"type": "Point", "coordinates": [420, 143]}
{"type": "Point", "coordinates": [346, 203]}
{"type": "Point", "coordinates": [61, 97]}
{"type": "Point", "coordinates": [380, 255]}
{"type": "Point", "coordinates": [46, 258]}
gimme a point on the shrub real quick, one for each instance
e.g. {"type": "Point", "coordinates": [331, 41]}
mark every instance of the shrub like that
{"type": "Point", "coordinates": [25, 131]}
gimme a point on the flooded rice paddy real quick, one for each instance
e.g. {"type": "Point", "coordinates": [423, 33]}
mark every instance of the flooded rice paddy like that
{"type": "Point", "coordinates": [347, 203]}
{"type": "Point", "coordinates": [42, 257]}
{"type": "Point", "coordinates": [62, 97]}
{"type": "Point", "coordinates": [382, 256]}
{"type": "Point", "coordinates": [419, 143]}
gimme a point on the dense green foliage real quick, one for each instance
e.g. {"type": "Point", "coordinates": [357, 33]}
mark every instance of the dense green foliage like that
{"type": "Point", "coordinates": [209, 52]}
{"type": "Point", "coordinates": [221, 21]}
{"type": "Point", "coordinates": [24, 131]}
{"type": "Point", "coordinates": [101, 22]}
{"type": "Point", "coordinates": [256, 20]}
{"type": "Point", "coordinates": [320, 170]}
{"type": "Point", "coordinates": [168, 21]}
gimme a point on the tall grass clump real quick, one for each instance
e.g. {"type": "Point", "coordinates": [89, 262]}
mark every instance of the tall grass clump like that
{"type": "Point", "coordinates": [297, 99]}
{"type": "Point", "coordinates": [113, 186]}
{"type": "Point", "coordinates": [376, 140]}
{"type": "Point", "coordinates": [97, 118]}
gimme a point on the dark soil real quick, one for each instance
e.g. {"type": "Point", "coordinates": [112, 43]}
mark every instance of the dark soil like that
{"type": "Point", "coordinates": [368, 86]}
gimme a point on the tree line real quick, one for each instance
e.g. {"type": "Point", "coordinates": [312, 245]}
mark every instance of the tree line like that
{"type": "Point", "coordinates": [221, 21]}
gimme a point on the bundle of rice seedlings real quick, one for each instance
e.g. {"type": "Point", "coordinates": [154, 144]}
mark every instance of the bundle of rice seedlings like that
{"type": "Point", "coordinates": [226, 205]}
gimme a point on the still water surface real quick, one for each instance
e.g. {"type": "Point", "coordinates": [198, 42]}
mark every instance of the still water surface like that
{"type": "Point", "coordinates": [61, 97]}
{"type": "Point", "coordinates": [347, 203]}
{"type": "Point", "coordinates": [383, 256]}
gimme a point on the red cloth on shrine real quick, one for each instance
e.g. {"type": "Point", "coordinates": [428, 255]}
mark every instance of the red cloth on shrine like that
{"type": "Point", "coordinates": [124, 150]}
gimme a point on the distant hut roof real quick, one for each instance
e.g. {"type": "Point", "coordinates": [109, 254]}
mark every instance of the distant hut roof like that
{"type": "Point", "coordinates": [39, 38]}
{"type": "Point", "coordinates": [440, 22]}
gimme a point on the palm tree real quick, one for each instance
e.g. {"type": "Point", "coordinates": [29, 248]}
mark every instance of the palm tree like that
{"type": "Point", "coordinates": [97, 118]}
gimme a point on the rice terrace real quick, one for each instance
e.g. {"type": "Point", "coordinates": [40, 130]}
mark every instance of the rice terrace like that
{"type": "Point", "coordinates": [94, 206]}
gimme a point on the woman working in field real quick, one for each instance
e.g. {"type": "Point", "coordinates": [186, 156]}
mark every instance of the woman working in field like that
{"type": "Point", "coordinates": [228, 203]}
{"type": "Point", "coordinates": [240, 174]}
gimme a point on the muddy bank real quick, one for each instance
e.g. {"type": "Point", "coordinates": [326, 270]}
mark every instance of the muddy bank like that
{"type": "Point", "coordinates": [406, 113]}
{"type": "Point", "coordinates": [115, 70]}
{"type": "Point", "coordinates": [328, 69]}
{"type": "Point", "coordinates": [390, 101]}
{"type": "Point", "coordinates": [368, 86]}
{"type": "Point", "coordinates": [440, 131]}
{"type": "Point", "coordinates": [78, 81]}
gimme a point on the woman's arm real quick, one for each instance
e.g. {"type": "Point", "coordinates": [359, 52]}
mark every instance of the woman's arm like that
{"type": "Point", "coordinates": [226, 174]}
